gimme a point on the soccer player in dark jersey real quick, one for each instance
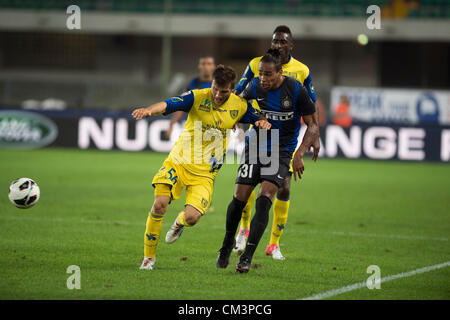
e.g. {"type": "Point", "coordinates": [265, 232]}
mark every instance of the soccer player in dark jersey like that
{"type": "Point", "coordinates": [291, 67]}
{"type": "Point", "coordinates": [206, 67]}
{"type": "Point", "coordinates": [283, 101]}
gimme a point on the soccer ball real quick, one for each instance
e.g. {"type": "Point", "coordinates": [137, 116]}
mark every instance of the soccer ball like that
{"type": "Point", "coordinates": [24, 193]}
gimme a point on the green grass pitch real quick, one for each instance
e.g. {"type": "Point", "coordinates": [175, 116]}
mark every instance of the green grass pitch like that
{"type": "Point", "coordinates": [345, 215]}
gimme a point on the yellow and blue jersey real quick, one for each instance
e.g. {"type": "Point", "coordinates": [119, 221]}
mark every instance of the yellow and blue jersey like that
{"type": "Point", "coordinates": [293, 68]}
{"type": "Point", "coordinates": [203, 143]}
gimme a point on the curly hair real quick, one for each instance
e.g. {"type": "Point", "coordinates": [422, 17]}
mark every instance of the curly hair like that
{"type": "Point", "coordinates": [224, 75]}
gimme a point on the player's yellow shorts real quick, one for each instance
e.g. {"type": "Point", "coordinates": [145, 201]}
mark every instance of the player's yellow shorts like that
{"type": "Point", "coordinates": [198, 189]}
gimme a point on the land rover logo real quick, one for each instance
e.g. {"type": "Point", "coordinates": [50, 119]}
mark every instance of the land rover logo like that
{"type": "Point", "coordinates": [20, 129]}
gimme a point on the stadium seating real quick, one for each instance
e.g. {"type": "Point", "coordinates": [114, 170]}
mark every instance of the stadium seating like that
{"type": "Point", "coordinates": [321, 8]}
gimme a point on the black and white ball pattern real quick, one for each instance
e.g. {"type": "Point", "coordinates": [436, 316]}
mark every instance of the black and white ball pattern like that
{"type": "Point", "coordinates": [24, 193]}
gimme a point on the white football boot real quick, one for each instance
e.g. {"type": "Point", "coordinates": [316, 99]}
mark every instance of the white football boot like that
{"type": "Point", "coordinates": [241, 241]}
{"type": "Point", "coordinates": [276, 253]}
{"type": "Point", "coordinates": [174, 232]}
{"type": "Point", "coordinates": [148, 264]}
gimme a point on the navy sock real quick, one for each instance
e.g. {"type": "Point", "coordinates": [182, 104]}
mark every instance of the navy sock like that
{"type": "Point", "coordinates": [234, 213]}
{"type": "Point", "coordinates": [258, 225]}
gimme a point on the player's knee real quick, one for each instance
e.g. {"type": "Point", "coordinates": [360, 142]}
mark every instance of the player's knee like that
{"type": "Point", "coordinates": [191, 218]}
{"type": "Point", "coordinates": [285, 189]}
{"type": "Point", "coordinates": [268, 189]}
{"type": "Point", "coordinates": [284, 193]}
{"type": "Point", "coordinates": [268, 193]}
{"type": "Point", "coordinates": [159, 206]}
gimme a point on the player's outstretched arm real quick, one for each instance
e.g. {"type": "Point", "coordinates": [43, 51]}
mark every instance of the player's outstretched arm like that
{"type": "Point", "coordinates": [151, 111]}
{"type": "Point", "coordinates": [310, 140]}
{"type": "Point", "coordinates": [183, 102]}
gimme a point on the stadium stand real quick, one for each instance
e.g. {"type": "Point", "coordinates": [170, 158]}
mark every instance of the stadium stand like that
{"type": "Point", "coordinates": [328, 8]}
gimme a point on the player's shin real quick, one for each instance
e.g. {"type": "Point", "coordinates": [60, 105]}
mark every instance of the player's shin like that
{"type": "Point", "coordinates": [241, 238]}
{"type": "Point", "coordinates": [181, 219]}
{"type": "Point", "coordinates": [258, 225]}
{"type": "Point", "coordinates": [152, 233]}
{"type": "Point", "coordinates": [247, 212]}
{"type": "Point", "coordinates": [280, 215]}
{"type": "Point", "coordinates": [234, 212]}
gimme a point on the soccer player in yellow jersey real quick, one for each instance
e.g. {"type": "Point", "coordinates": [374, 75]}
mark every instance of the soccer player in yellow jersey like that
{"type": "Point", "coordinates": [197, 155]}
{"type": "Point", "coordinates": [281, 40]}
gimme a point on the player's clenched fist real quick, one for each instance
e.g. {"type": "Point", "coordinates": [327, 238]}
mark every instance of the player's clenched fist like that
{"type": "Point", "coordinates": [151, 111]}
{"type": "Point", "coordinates": [141, 113]}
{"type": "Point", "coordinates": [263, 124]}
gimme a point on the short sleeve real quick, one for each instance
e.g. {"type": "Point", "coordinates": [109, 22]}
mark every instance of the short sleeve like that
{"type": "Point", "coordinates": [310, 87]}
{"type": "Point", "coordinates": [182, 102]}
{"type": "Point", "coordinates": [305, 106]}
{"type": "Point", "coordinates": [245, 79]}
{"type": "Point", "coordinates": [251, 115]}
{"type": "Point", "coordinates": [247, 94]}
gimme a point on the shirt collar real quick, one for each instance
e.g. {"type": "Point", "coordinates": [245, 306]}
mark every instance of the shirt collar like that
{"type": "Point", "coordinates": [289, 60]}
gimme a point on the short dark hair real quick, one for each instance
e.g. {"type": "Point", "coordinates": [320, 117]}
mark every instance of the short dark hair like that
{"type": "Point", "coordinates": [273, 56]}
{"type": "Point", "coordinates": [206, 57]}
{"type": "Point", "coordinates": [283, 29]}
{"type": "Point", "coordinates": [224, 75]}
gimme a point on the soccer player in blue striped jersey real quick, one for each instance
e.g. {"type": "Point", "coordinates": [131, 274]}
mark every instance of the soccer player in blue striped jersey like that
{"type": "Point", "coordinates": [283, 101]}
{"type": "Point", "coordinates": [291, 67]}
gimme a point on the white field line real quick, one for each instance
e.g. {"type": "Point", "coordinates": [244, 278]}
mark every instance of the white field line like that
{"type": "Point", "coordinates": [370, 235]}
{"type": "Point", "coordinates": [333, 233]}
{"type": "Point", "coordinates": [335, 292]}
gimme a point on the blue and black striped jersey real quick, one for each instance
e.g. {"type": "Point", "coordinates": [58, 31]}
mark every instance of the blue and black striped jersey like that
{"type": "Point", "coordinates": [283, 108]}
{"type": "Point", "coordinates": [293, 68]}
